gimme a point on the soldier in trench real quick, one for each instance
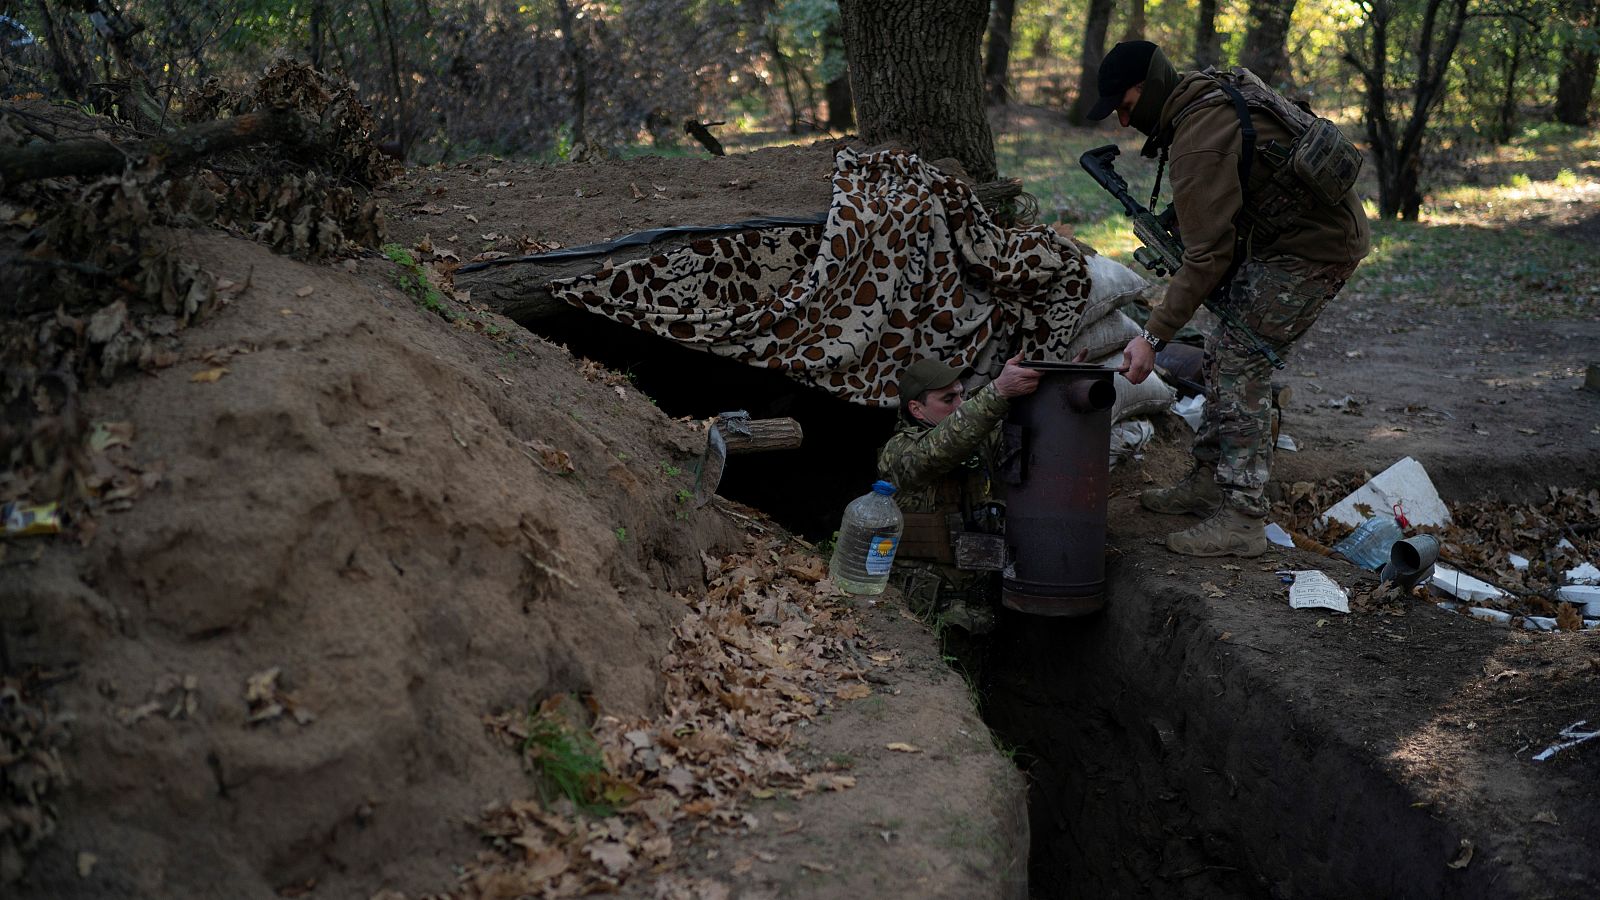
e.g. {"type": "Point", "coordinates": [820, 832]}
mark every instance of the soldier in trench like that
{"type": "Point", "coordinates": [1281, 238]}
{"type": "Point", "coordinates": [940, 461]}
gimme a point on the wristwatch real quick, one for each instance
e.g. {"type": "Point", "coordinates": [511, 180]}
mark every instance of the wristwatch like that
{"type": "Point", "coordinates": [1155, 343]}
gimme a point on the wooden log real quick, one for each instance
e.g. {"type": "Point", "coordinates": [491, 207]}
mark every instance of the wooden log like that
{"type": "Point", "coordinates": [764, 435]}
{"type": "Point", "coordinates": [96, 157]}
{"type": "Point", "coordinates": [521, 291]}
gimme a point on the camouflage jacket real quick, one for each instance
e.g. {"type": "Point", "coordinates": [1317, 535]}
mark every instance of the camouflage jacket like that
{"type": "Point", "coordinates": [963, 446]}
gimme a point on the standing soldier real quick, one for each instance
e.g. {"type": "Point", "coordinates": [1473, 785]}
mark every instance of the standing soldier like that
{"type": "Point", "coordinates": [940, 461]}
{"type": "Point", "coordinates": [1264, 200]}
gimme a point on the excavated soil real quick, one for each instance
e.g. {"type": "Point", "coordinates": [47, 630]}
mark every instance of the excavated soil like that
{"type": "Point", "coordinates": [372, 501]}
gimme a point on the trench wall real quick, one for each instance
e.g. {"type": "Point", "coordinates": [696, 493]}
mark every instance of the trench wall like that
{"type": "Point", "coordinates": [1165, 763]}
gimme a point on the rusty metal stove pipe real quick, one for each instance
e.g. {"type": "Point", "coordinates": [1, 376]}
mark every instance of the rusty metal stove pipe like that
{"type": "Point", "coordinates": [1058, 483]}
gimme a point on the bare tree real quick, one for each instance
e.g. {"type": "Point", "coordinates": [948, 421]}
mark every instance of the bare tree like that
{"type": "Point", "coordinates": [1095, 25]}
{"type": "Point", "coordinates": [580, 72]}
{"type": "Point", "coordinates": [1207, 43]}
{"type": "Point", "coordinates": [1137, 21]}
{"type": "Point", "coordinates": [1575, 84]}
{"type": "Point", "coordinates": [1397, 143]}
{"type": "Point", "coordinates": [998, 60]}
{"type": "Point", "coordinates": [1266, 41]}
{"type": "Point", "coordinates": [917, 77]}
{"type": "Point", "coordinates": [841, 103]}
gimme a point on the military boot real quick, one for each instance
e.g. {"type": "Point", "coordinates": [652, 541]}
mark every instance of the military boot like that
{"type": "Point", "coordinates": [1197, 493]}
{"type": "Point", "coordinates": [1228, 532]}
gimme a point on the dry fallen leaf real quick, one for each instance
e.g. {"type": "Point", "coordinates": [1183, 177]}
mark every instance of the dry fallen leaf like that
{"type": "Point", "coordinates": [1546, 817]}
{"type": "Point", "coordinates": [817, 867]}
{"type": "Point", "coordinates": [304, 291]}
{"type": "Point", "coordinates": [208, 376]}
{"type": "Point", "coordinates": [1212, 590]}
{"type": "Point", "coordinates": [86, 861]}
{"type": "Point", "coordinates": [902, 747]}
{"type": "Point", "coordinates": [854, 691]}
{"type": "Point", "coordinates": [614, 855]}
{"type": "Point", "coordinates": [1463, 856]}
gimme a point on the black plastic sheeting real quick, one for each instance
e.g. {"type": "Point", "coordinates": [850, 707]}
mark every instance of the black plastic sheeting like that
{"type": "Point", "coordinates": [646, 238]}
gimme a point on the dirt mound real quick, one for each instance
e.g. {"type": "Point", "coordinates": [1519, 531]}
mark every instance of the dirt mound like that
{"type": "Point", "coordinates": [411, 524]}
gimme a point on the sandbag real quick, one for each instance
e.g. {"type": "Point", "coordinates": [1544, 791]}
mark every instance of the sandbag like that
{"type": "Point", "coordinates": [1107, 335]}
{"type": "Point", "coordinates": [1111, 284]}
{"type": "Point", "coordinates": [1134, 400]}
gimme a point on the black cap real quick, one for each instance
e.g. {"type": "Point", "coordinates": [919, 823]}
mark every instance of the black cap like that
{"type": "Point", "coordinates": [1125, 66]}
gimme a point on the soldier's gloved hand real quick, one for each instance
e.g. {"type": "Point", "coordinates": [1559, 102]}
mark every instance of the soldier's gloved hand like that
{"type": "Point", "coordinates": [1016, 380]}
{"type": "Point", "coordinates": [1138, 360]}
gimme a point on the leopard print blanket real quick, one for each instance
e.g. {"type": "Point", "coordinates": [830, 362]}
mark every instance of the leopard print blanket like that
{"type": "Point", "coordinates": [907, 266]}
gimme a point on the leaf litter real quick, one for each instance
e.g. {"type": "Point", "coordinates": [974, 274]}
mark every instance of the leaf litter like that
{"type": "Point", "coordinates": [763, 650]}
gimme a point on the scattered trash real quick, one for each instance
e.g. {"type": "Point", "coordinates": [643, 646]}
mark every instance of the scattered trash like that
{"type": "Point", "coordinates": [1369, 545]}
{"type": "Point", "coordinates": [1584, 574]}
{"type": "Point", "coordinates": [1573, 736]}
{"type": "Point", "coordinates": [1312, 588]}
{"type": "Point", "coordinates": [1275, 533]}
{"type": "Point", "coordinates": [1411, 561]}
{"type": "Point", "coordinates": [1463, 855]}
{"type": "Point", "coordinates": [1285, 442]}
{"type": "Point", "coordinates": [1451, 583]}
{"type": "Point", "coordinates": [17, 520]}
{"type": "Point", "coordinates": [1129, 438]}
{"type": "Point", "coordinates": [1520, 563]}
{"type": "Point", "coordinates": [1404, 484]}
{"type": "Point", "coordinates": [1191, 410]}
{"type": "Point", "coordinates": [1585, 595]}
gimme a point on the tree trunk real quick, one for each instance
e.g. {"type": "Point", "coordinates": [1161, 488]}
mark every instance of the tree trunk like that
{"type": "Point", "coordinates": [917, 77]}
{"type": "Point", "coordinates": [1397, 148]}
{"type": "Point", "coordinates": [68, 58]}
{"type": "Point", "coordinates": [580, 73]}
{"type": "Point", "coordinates": [1207, 43]}
{"type": "Point", "coordinates": [1137, 22]}
{"type": "Point", "coordinates": [1505, 125]}
{"type": "Point", "coordinates": [1266, 51]}
{"type": "Point", "coordinates": [998, 61]}
{"type": "Point", "coordinates": [319, 34]}
{"type": "Point", "coordinates": [841, 104]}
{"type": "Point", "coordinates": [1095, 26]}
{"type": "Point", "coordinates": [1575, 84]}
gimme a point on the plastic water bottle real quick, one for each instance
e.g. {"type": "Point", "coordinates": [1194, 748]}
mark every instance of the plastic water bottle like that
{"type": "Point", "coordinates": [867, 540]}
{"type": "Point", "coordinates": [1369, 545]}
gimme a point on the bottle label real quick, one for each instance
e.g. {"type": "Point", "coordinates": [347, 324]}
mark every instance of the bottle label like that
{"type": "Point", "coordinates": [880, 553]}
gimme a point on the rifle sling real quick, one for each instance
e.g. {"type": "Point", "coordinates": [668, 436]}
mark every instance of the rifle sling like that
{"type": "Point", "coordinates": [1247, 153]}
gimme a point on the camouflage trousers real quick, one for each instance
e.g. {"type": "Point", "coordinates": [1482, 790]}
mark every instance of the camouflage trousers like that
{"type": "Point", "coordinates": [1278, 298]}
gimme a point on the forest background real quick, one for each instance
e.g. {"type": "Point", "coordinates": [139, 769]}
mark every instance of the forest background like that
{"type": "Point", "coordinates": [1429, 87]}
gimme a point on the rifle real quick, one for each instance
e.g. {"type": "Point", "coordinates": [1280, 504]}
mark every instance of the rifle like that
{"type": "Point", "coordinates": [1162, 252]}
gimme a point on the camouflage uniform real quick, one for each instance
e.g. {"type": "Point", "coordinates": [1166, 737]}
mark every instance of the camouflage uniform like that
{"type": "Point", "coordinates": [1278, 298]}
{"type": "Point", "coordinates": [934, 470]}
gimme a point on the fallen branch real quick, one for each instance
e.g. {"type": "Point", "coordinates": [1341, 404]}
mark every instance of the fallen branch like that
{"type": "Point", "coordinates": [97, 157]}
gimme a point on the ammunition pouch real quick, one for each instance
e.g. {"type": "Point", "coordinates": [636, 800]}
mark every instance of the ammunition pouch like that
{"type": "Point", "coordinates": [943, 538]}
{"type": "Point", "coordinates": [1318, 168]}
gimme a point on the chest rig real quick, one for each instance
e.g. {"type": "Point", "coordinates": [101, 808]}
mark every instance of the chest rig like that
{"type": "Point", "coordinates": [1315, 169]}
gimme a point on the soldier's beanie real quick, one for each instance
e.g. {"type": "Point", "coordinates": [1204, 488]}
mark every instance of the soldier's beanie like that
{"type": "Point", "coordinates": [1124, 67]}
{"type": "Point", "coordinates": [925, 375]}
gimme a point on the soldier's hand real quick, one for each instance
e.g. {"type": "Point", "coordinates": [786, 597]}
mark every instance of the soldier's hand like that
{"type": "Point", "coordinates": [1138, 360]}
{"type": "Point", "coordinates": [1016, 380]}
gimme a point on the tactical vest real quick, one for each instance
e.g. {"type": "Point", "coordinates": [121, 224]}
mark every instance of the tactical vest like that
{"type": "Point", "coordinates": [1317, 168]}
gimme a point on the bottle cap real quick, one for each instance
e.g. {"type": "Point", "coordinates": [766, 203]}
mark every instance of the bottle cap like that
{"type": "Point", "coordinates": [883, 487]}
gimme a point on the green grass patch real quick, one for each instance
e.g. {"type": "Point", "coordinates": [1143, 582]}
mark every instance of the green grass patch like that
{"type": "Point", "coordinates": [413, 280]}
{"type": "Point", "coordinates": [566, 763]}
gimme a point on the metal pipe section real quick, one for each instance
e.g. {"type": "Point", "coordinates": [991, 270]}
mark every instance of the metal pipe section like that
{"type": "Point", "coordinates": [1058, 481]}
{"type": "Point", "coordinates": [1411, 560]}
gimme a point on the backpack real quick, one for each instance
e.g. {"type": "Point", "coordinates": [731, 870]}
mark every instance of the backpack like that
{"type": "Point", "coordinates": [1317, 168]}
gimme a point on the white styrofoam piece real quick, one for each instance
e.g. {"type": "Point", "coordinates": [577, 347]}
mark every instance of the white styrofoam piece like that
{"type": "Point", "coordinates": [1584, 574]}
{"type": "Point", "coordinates": [1462, 586]}
{"type": "Point", "coordinates": [1405, 483]}
{"type": "Point", "coordinates": [1518, 562]}
{"type": "Point", "coordinates": [1285, 442]}
{"type": "Point", "coordinates": [1587, 595]}
{"type": "Point", "coordinates": [1539, 623]}
{"type": "Point", "coordinates": [1491, 615]}
{"type": "Point", "coordinates": [1275, 533]}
